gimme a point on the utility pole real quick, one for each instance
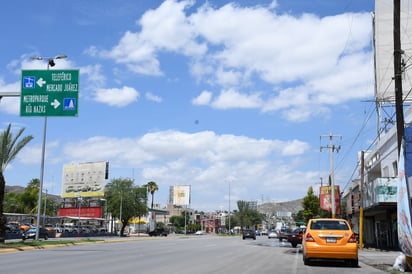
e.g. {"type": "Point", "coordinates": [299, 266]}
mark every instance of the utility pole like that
{"type": "Point", "coordinates": [362, 167]}
{"type": "Point", "coordinates": [332, 148]}
{"type": "Point", "coordinates": [397, 56]}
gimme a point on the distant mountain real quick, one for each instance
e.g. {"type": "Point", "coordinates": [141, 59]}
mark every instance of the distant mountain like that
{"type": "Point", "coordinates": [20, 189]}
{"type": "Point", "coordinates": [16, 189]}
{"type": "Point", "coordinates": [289, 206]}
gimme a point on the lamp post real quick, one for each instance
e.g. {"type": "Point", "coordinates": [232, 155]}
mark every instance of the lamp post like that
{"type": "Point", "coordinates": [229, 210]}
{"type": "Point", "coordinates": [44, 209]}
{"type": "Point", "coordinates": [50, 63]}
{"type": "Point", "coordinates": [120, 218]}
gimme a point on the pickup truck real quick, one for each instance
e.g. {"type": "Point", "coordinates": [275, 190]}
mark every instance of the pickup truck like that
{"type": "Point", "coordinates": [158, 232]}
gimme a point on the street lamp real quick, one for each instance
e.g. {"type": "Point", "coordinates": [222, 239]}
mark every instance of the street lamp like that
{"type": "Point", "coordinates": [50, 63]}
{"type": "Point", "coordinates": [50, 60]}
{"type": "Point", "coordinates": [44, 209]}
{"type": "Point", "coordinates": [229, 210]}
{"type": "Point", "coordinates": [120, 218]}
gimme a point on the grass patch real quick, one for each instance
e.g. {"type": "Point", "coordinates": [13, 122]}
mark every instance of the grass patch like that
{"type": "Point", "coordinates": [49, 242]}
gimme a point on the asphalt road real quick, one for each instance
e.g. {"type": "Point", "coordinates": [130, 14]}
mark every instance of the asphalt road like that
{"type": "Point", "coordinates": [172, 254]}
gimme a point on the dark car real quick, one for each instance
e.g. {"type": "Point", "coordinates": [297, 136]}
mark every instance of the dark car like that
{"type": "Point", "coordinates": [31, 233]}
{"type": "Point", "coordinates": [249, 233]}
{"type": "Point", "coordinates": [284, 232]}
{"type": "Point", "coordinates": [159, 232]}
{"type": "Point", "coordinates": [295, 237]}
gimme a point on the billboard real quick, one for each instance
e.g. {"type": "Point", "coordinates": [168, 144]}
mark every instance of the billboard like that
{"type": "Point", "coordinates": [325, 198]}
{"type": "Point", "coordinates": [181, 195]}
{"type": "Point", "coordinates": [82, 212]}
{"type": "Point", "coordinates": [84, 179]}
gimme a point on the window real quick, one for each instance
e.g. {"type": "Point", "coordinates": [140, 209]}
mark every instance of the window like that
{"type": "Point", "coordinates": [329, 225]}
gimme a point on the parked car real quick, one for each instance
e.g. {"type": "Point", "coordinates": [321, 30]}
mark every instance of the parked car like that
{"type": "Point", "coordinates": [12, 228]}
{"type": "Point", "coordinates": [50, 228]}
{"type": "Point", "coordinates": [284, 233]}
{"type": "Point", "coordinates": [249, 233]}
{"type": "Point", "coordinates": [257, 232]}
{"type": "Point", "coordinates": [31, 233]}
{"type": "Point", "coordinates": [329, 239]}
{"type": "Point", "coordinates": [159, 232]}
{"type": "Point", "coordinates": [200, 232]}
{"type": "Point", "coordinates": [264, 232]}
{"type": "Point", "coordinates": [296, 236]}
{"type": "Point", "coordinates": [272, 234]}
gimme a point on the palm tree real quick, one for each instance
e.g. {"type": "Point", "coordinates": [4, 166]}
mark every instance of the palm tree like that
{"type": "Point", "coordinates": [152, 187]}
{"type": "Point", "coordinates": [9, 148]}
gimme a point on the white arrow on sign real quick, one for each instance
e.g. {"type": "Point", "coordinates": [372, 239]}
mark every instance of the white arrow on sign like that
{"type": "Point", "coordinates": [55, 103]}
{"type": "Point", "coordinates": [40, 82]}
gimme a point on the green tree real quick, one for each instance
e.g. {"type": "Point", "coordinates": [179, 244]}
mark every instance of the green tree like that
{"type": "Point", "coordinates": [10, 146]}
{"type": "Point", "coordinates": [152, 187]}
{"type": "Point", "coordinates": [311, 206]}
{"type": "Point", "coordinates": [124, 200]}
{"type": "Point", "coordinates": [13, 203]}
{"type": "Point", "coordinates": [30, 196]}
{"type": "Point", "coordinates": [177, 222]}
{"type": "Point", "coordinates": [243, 208]}
{"type": "Point", "coordinates": [246, 216]}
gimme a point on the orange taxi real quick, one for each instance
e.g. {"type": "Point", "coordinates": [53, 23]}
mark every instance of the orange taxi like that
{"type": "Point", "coordinates": [329, 239]}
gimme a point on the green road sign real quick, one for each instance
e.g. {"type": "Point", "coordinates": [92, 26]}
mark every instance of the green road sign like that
{"type": "Point", "coordinates": [49, 92]}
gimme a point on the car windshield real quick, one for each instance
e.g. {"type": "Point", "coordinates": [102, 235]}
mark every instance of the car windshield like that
{"type": "Point", "coordinates": [329, 225]}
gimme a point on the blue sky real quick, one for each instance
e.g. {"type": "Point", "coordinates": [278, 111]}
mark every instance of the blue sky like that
{"type": "Point", "coordinates": [200, 93]}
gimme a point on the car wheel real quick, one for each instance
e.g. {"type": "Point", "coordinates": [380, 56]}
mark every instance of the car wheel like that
{"type": "Point", "coordinates": [254, 238]}
{"type": "Point", "coordinates": [294, 244]}
{"type": "Point", "coordinates": [306, 261]}
{"type": "Point", "coordinates": [354, 263]}
{"type": "Point", "coordinates": [244, 238]}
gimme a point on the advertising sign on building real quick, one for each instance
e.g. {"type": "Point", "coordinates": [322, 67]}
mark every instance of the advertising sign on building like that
{"type": "Point", "coordinates": [84, 179]}
{"type": "Point", "coordinates": [181, 195]}
{"type": "Point", "coordinates": [326, 200]}
{"type": "Point", "coordinates": [83, 212]}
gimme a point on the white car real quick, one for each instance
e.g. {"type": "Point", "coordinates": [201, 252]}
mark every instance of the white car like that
{"type": "Point", "coordinates": [200, 232]}
{"type": "Point", "coordinates": [272, 234]}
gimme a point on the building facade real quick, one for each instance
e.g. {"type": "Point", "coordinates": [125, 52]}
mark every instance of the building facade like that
{"type": "Point", "coordinates": [375, 190]}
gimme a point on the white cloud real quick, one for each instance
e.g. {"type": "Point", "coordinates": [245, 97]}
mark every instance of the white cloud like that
{"type": "Point", "coordinates": [171, 157]}
{"type": "Point", "coordinates": [94, 75]}
{"type": "Point", "coordinates": [323, 57]}
{"type": "Point", "coordinates": [204, 98]}
{"type": "Point", "coordinates": [170, 146]}
{"type": "Point", "coordinates": [10, 105]}
{"type": "Point", "coordinates": [234, 99]}
{"type": "Point", "coordinates": [117, 97]}
{"type": "Point", "coordinates": [152, 97]}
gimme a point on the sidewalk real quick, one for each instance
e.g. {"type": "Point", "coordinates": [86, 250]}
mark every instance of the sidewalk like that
{"type": "Point", "coordinates": [377, 258]}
